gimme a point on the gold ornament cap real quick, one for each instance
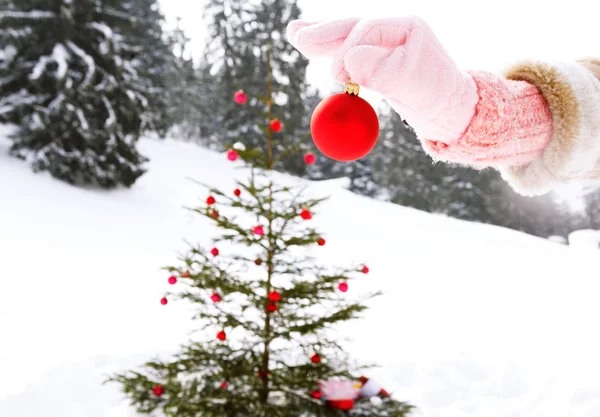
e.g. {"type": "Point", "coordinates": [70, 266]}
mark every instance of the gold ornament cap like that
{"type": "Point", "coordinates": [351, 88]}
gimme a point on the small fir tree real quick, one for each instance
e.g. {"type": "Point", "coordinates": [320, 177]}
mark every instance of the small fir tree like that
{"type": "Point", "coordinates": [265, 335]}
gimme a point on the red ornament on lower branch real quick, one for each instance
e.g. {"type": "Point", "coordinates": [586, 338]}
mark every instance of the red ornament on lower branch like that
{"type": "Point", "coordinates": [158, 390]}
{"type": "Point", "coordinates": [344, 126]}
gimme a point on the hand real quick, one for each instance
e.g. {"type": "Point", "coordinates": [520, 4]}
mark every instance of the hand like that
{"type": "Point", "coordinates": [401, 59]}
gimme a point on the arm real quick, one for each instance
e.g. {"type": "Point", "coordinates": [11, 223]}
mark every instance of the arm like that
{"type": "Point", "coordinates": [539, 125]}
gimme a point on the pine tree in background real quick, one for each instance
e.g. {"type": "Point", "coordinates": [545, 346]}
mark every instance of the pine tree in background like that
{"type": "Point", "coordinates": [69, 82]}
{"type": "Point", "coordinates": [154, 61]}
{"type": "Point", "coordinates": [266, 310]}
{"type": "Point", "coordinates": [238, 33]}
{"type": "Point", "coordinates": [195, 94]}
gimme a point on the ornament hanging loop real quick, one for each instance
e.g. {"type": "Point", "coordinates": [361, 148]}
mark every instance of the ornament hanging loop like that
{"type": "Point", "coordinates": [351, 88]}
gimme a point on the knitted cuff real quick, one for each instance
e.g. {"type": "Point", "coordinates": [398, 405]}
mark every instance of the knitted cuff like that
{"type": "Point", "coordinates": [512, 126]}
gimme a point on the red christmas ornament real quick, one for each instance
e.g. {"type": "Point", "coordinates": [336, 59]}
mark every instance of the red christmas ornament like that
{"type": "Point", "coordinates": [186, 274]}
{"type": "Point", "coordinates": [214, 252]}
{"type": "Point", "coordinates": [343, 405]}
{"type": "Point", "coordinates": [215, 297]}
{"type": "Point", "coordinates": [258, 262]}
{"type": "Point", "coordinates": [223, 385]}
{"type": "Point", "coordinates": [232, 155]}
{"type": "Point", "coordinates": [344, 126]}
{"type": "Point", "coordinates": [210, 200]}
{"type": "Point", "coordinates": [172, 280]}
{"type": "Point", "coordinates": [274, 296]}
{"type": "Point", "coordinates": [240, 97]}
{"type": "Point", "coordinates": [315, 358]}
{"type": "Point", "coordinates": [164, 301]}
{"type": "Point", "coordinates": [310, 158]}
{"type": "Point", "coordinates": [259, 230]}
{"type": "Point", "coordinates": [275, 125]}
{"type": "Point", "coordinates": [221, 335]}
{"type": "Point", "coordinates": [158, 390]}
{"type": "Point", "coordinates": [214, 214]}
{"type": "Point", "coordinates": [306, 214]}
{"type": "Point", "coordinates": [237, 192]}
{"type": "Point", "coordinates": [321, 242]}
{"type": "Point", "coordinates": [316, 394]}
{"type": "Point", "coordinates": [343, 287]}
{"type": "Point", "coordinates": [272, 307]}
{"type": "Point", "coordinates": [365, 269]}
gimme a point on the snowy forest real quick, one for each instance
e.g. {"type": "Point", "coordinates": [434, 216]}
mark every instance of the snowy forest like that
{"type": "Point", "coordinates": [86, 79]}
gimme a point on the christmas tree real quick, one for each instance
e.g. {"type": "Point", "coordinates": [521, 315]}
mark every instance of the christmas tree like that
{"type": "Point", "coordinates": [266, 311]}
{"type": "Point", "coordinates": [68, 80]}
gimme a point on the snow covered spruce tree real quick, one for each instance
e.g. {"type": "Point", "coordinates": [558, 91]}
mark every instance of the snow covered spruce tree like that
{"type": "Point", "coordinates": [265, 311]}
{"type": "Point", "coordinates": [68, 80]}
{"type": "Point", "coordinates": [155, 64]}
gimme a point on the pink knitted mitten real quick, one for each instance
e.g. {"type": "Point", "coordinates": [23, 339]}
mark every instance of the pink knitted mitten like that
{"type": "Point", "coordinates": [402, 59]}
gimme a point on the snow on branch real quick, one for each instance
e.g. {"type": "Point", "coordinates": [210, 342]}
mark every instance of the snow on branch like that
{"type": "Point", "coordinates": [59, 55]}
{"type": "Point", "coordinates": [101, 27]}
{"type": "Point", "coordinates": [112, 118]}
{"type": "Point", "coordinates": [33, 14]}
{"type": "Point", "coordinates": [89, 61]}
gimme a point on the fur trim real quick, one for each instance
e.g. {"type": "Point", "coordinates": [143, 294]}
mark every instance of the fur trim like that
{"type": "Point", "coordinates": [573, 96]}
{"type": "Point", "coordinates": [563, 104]}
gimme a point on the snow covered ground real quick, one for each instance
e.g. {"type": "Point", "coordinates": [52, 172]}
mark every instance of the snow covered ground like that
{"type": "Point", "coordinates": [475, 320]}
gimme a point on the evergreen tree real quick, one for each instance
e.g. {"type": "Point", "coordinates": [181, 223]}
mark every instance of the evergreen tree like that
{"type": "Point", "coordinates": [239, 33]}
{"type": "Point", "coordinates": [70, 83]}
{"type": "Point", "coordinates": [195, 93]}
{"type": "Point", "coordinates": [154, 61]}
{"type": "Point", "coordinates": [272, 342]}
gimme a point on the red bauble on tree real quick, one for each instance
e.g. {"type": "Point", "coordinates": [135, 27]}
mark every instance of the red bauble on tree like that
{"type": "Point", "coordinates": [186, 274]}
{"type": "Point", "coordinates": [214, 214]}
{"type": "Point", "coordinates": [172, 280]}
{"type": "Point", "coordinates": [210, 200]}
{"type": "Point", "coordinates": [275, 125]}
{"type": "Point", "coordinates": [221, 335]}
{"type": "Point", "coordinates": [321, 242]}
{"type": "Point", "coordinates": [158, 390]}
{"type": "Point", "coordinates": [365, 269]}
{"type": "Point", "coordinates": [310, 158]}
{"type": "Point", "coordinates": [274, 296]}
{"type": "Point", "coordinates": [223, 385]}
{"type": "Point", "coordinates": [344, 126]}
{"type": "Point", "coordinates": [232, 155]}
{"type": "Point", "coordinates": [258, 230]}
{"type": "Point", "coordinates": [315, 358]}
{"type": "Point", "coordinates": [215, 298]}
{"type": "Point", "coordinates": [258, 262]}
{"type": "Point", "coordinates": [237, 192]}
{"type": "Point", "coordinates": [240, 97]}
{"type": "Point", "coordinates": [164, 301]}
{"type": "Point", "coordinates": [272, 307]}
{"type": "Point", "coordinates": [306, 214]}
{"type": "Point", "coordinates": [343, 287]}
{"type": "Point", "coordinates": [214, 252]}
